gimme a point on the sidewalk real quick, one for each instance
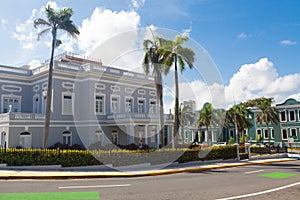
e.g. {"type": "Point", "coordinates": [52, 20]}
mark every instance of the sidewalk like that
{"type": "Point", "coordinates": [130, 171]}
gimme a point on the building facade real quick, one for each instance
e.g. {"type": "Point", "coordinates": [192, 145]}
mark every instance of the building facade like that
{"type": "Point", "coordinates": [91, 103]}
{"type": "Point", "coordinates": [285, 133]}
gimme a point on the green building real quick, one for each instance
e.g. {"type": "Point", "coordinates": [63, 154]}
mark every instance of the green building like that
{"type": "Point", "coordinates": [286, 132]}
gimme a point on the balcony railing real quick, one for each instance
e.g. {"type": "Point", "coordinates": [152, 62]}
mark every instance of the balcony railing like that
{"type": "Point", "coordinates": [132, 115]}
{"type": "Point", "coordinates": [21, 116]}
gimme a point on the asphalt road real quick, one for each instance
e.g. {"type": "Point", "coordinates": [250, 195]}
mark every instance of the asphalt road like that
{"type": "Point", "coordinates": [225, 183]}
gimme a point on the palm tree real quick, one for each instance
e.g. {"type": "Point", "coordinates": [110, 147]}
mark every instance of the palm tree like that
{"type": "Point", "coordinates": [267, 114]}
{"type": "Point", "coordinates": [55, 20]}
{"type": "Point", "coordinates": [205, 117]}
{"type": "Point", "coordinates": [239, 116]}
{"type": "Point", "coordinates": [186, 117]}
{"type": "Point", "coordinates": [153, 59]}
{"type": "Point", "coordinates": [175, 54]}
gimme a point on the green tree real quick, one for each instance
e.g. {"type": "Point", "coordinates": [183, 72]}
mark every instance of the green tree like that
{"type": "Point", "coordinates": [267, 114]}
{"type": "Point", "coordinates": [239, 116]}
{"type": "Point", "coordinates": [205, 117]}
{"type": "Point", "coordinates": [56, 20]}
{"type": "Point", "coordinates": [175, 54]}
{"type": "Point", "coordinates": [153, 60]}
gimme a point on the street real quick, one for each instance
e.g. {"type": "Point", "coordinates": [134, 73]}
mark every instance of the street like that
{"type": "Point", "coordinates": [277, 180]}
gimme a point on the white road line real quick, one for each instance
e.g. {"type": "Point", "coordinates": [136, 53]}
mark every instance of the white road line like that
{"type": "Point", "coordinates": [93, 186]}
{"type": "Point", "coordinates": [262, 192]}
{"type": "Point", "coordinates": [251, 172]}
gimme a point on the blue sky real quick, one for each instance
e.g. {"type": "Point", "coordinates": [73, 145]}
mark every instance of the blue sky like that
{"type": "Point", "coordinates": [254, 44]}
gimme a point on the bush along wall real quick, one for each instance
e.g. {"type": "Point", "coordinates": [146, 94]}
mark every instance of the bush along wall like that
{"type": "Point", "coordinates": [71, 158]}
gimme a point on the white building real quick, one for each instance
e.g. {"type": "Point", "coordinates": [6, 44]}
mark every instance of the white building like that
{"type": "Point", "coordinates": [91, 103]}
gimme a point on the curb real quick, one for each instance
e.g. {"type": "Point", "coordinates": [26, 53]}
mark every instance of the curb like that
{"type": "Point", "coordinates": [7, 175]}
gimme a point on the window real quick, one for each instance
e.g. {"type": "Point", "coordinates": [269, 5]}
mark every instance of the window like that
{"type": "Point", "coordinates": [67, 104]}
{"type": "Point", "coordinates": [25, 139]}
{"type": "Point", "coordinates": [44, 100]}
{"type": "Point", "coordinates": [292, 116]}
{"type": "Point", "coordinates": [266, 134]}
{"type": "Point", "coordinates": [115, 88]}
{"type": "Point", "coordinates": [99, 86]}
{"type": "Point", "coordinates": [272, 134]}
{"type": "Point", "coordinates": [282, 116]}
{"type": "Point", "coordinates": [99, 104]}
{"type": "Point", "coordinates": [258, 135]}
{"type": "Point", "coordinates": [142, 92]}
{"type": "Point", "coordinates": [128, 105]}
{"type": "Point", "coordinates": [36, 103]}
{"type": "Point", "coordinates": [14, 102]}
{"type": "Point", "coordinates": [152, 107]}
{"type": "Point", "coordinates": [141, 106]}
{"type": "Point", "coordinates": [298, 115]}
{"type": "Point", "coordinates": [115, 138]}
{"type": "Point", "coordinates": [129, 90]}
{"type": "Point", "coordinates": [231, 133]}
{"type": "Point", "coordinates": [294, 133]}
{"type": "Point", "coordinates": [284, 134]}
{"type": "Point", "coordinates": [115, 105]}
{"type": "Point", "coordinates": [99, 137]}
{"type": "Point", "coordinates": [67, 138]}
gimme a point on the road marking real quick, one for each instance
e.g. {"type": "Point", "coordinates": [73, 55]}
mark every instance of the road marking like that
{"type": "Point", "coordinates": [251, 172]}
{"type": "Point", "coordinates": [92, 186]}
{"type": "Point", "coordinates": [262, 192]}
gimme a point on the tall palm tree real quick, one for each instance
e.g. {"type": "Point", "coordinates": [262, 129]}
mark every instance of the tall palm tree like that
{"type": "Point", "coordinates": [153, 59]}
{"type": "Point", "coordinates": [239, 116]}
{"type": "Point", "coordinates": [56, 20]}
{"type": "Point", "coordinates": [267, 114]}
{"type": "Point", "coordinates": [205, 117]}
{"type": "Point", "coordinates": [175, 54]}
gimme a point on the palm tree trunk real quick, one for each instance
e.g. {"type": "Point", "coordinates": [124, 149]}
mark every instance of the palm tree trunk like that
{"type": "Point", "coordinates": [176, 117]}
{"type": "Point", "coordinates": [237, 141]}
{"type": "Point", "coordinates": [159, 93]}
{"type": "Point", "coordinates": [49, 94]}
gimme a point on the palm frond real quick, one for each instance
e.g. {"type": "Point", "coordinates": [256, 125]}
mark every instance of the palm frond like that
{"type": "Point", "coordinates": [40, 34]}
{"type": "Point", "coordinates": [40, 22]}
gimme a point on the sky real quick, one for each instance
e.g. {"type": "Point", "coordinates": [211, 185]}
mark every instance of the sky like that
{"type": "Point", "coordinates": [244, 48]}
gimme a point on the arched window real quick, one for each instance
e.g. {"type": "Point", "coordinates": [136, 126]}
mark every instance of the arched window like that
{"type": "Point", "coordinates": [36, 103]}
{"type": "Point", "coordinates": [67, 138]}
{"type": "Point", "coordinates": [25, 139]}
{"type": "Point", "coordinates": [115, 137]}
{"type": "Point", "coordinates": [2, 138]}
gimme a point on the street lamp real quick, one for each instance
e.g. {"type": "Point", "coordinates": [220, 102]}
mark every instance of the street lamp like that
{"type": "Point", "coordinates": [4, 143]}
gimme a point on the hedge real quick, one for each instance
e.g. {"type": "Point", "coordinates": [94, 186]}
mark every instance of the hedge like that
{"type": "Point", "coordinates": [70, 158]}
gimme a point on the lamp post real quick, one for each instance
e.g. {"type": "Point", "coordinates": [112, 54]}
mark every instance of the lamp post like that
{"type": "Point", "coordinates": [4, 143]}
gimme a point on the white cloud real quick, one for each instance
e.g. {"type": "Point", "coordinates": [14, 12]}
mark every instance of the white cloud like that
{"type": "Point", "coordinates": [261, 79]}
{"type": "Point", "coordinates": [103, 24]}
{"type": "Point", "coordinates": [242, 36]}
{"type": "Point", "coordinates": [251, 81]}
{"type": "Point", "coordinates": [288, 42]}
{"type": "Point", "coordinates": [136, 4]}
{"type": "Point", "coordinates": [25, 33]}
{"type": "Point", "coordinates": [4, 23]}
